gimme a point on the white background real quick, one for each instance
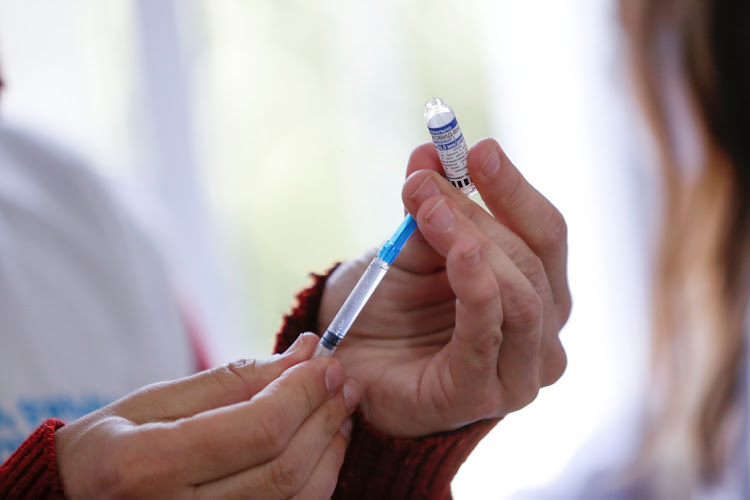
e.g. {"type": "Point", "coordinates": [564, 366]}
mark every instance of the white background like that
{"type": "Point", "coordinates": [271, 139]}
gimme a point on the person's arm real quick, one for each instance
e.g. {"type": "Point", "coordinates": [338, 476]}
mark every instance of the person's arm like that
{"type": "Point", "coordinates": [377, 466]}
{"type": "Point", "coordinates": [269, 428]}
{"type": "Point", "coordinates": [31, 471]}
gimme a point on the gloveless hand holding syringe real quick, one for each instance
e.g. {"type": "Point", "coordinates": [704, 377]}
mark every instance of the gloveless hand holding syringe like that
{"type": "Point", "coordinates": [453, 152]}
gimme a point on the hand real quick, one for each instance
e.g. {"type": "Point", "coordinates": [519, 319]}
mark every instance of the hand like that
{"type": "Point", "coordinates": [271, 428]}
{"type": "Point", "coordinates": [465, 325]}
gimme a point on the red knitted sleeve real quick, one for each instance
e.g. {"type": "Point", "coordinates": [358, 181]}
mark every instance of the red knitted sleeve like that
{"type": "Point", "coordinates": [378, 466]}
{"type": "Point", "coordinates": [31, 471]}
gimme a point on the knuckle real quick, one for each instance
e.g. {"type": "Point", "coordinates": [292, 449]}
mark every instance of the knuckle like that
{"type": "Point", "coordinates": [531, 307]}
{"type": "Point", "coordinates": [524, 395]}
{"type": "Point", "coordinates": [525, 378]}
{"type": "Point", "coordinates": [490, 405]}
{"type": "Point", "coordinates": [242, 370]}
{"type": "Point", "coordinates": [515, 248]}
{"type": "Point", "coordinates": [490, 342]}
{"type": "Point", "coordinates": [565, 307]}
{"type": "Point", "coordinates": [554, 364]}
{"type": "Point", "coordinates": [525, 307]}
{"type": "Point", "coordinates": [528, 396]}
{"type": "Point", "coordinates": [270, 434]}
{"type": "Point", "coordinates": [529, 263]}
{"type": "Point", "coordinates": [555, 228]}
{"type": "Point", "coordinates": [532, 266]}
{"type": "Point", "coordinates": [287, 475]}
{"type": "Point", "coordinates": [487, 345]}
{"type": "Point", "coordinates": [237, 375]}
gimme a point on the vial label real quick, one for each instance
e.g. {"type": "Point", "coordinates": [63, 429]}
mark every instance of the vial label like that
{"type": "Point", "coordinates": [453, 151]}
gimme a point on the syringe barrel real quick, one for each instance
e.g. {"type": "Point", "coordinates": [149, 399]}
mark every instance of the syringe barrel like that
{"type": "Point", "coordinates": [353, 305]}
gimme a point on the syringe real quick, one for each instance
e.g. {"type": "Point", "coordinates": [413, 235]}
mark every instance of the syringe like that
{"type": "Point", "coordinates": [453, 152]}
{"type": "Point", "coordinates": [364, 288]}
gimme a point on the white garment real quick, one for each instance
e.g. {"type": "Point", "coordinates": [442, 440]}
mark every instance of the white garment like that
{"type": "Point", "coordinates": [87, 313]}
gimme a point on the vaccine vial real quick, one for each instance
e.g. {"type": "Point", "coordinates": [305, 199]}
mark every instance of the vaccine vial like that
{"type": "Point", "coordinates": [450, 143]}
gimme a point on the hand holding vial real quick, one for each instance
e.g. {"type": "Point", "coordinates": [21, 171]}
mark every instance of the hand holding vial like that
{"type": "Point", "coordinates": [465, 325]}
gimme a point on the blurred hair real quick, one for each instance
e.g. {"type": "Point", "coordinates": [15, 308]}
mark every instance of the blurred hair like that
{"type": "Point", "coordinates": [701, 274]}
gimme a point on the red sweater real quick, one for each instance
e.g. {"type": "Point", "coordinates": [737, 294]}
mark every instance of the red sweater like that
{"type": "Point", "coordinates": [376, 466]}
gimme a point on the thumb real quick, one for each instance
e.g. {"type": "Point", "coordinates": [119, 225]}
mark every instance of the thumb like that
{"type": "Point", "coordinates": [225, 385]}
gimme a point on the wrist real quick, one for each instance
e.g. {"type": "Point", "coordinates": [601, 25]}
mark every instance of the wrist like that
{"type": "Point", "coordinates": [32, 470]}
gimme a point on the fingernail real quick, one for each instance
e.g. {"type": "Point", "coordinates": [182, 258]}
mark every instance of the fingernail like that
{"type": "Point", "coordinates": [334, 376]}
{"type": "Point", "coordinates": [491, 163]}
{"type": "Point", "coordinates": [425, 190]}
{"type": "Point", "coordinates": [441, 215]}
{"type": "Point", "coordinates": [297, 344]}
{"type": "Point", "coordinates": [346, 428]}
{"type": "Point", "coordinates": [351, 394]}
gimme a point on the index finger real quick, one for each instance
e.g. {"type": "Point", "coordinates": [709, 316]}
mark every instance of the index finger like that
{"type": "Point", "coordinates": [214, 388]}
{"type": "Point", "coordinates": [519, 206]}
{"type": "Point", "coordinates": [423, 157]}
{"type": "Point", "coordinates": [249, 433]}
{"type": "Point", "coordinates": [418, 256]}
